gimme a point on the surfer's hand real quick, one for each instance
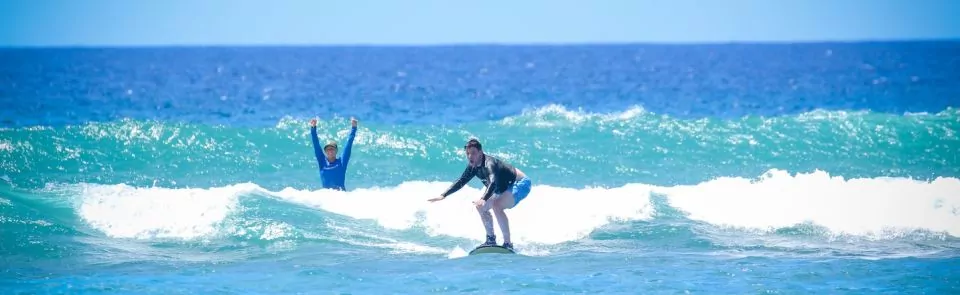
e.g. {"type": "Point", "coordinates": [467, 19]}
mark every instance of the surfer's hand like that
{"type": "Point", "coordinates": [313, 123]}
{"type": "Point", "coordinates": [479, 203]}
{"type": "Point", "coordinates": [353, 122]}
{"type": "Point", "coordinates": [435, 199]}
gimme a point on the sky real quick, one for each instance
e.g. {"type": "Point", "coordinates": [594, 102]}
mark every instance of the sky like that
{"type": "Point", "coordinates": [423, 22]}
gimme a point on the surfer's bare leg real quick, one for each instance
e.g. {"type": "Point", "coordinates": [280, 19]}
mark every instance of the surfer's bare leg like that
{"type": "Point", "coordinates": [487, 219]}
{"type": "Point", "coordinates": [503, 202]}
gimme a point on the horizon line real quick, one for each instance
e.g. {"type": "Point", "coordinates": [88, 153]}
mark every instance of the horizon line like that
{"type": "Point", "coordinates": [484, 44]}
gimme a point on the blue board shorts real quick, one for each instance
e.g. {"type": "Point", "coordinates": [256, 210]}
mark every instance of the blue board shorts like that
{"type": "Point", "coordinates": [521, 188]}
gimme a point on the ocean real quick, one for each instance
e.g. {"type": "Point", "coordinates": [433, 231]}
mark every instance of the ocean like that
{"type": "Point", "coordinates": [826, 168]}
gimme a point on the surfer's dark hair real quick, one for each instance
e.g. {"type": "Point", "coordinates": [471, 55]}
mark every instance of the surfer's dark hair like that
{"type": "Point", "coordinates": [473, 142]}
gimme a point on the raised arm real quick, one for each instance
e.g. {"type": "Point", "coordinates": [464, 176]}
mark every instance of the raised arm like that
{"type": "Point", "coordinates": [316, 142]}
{"type": "Point", "coordinates": [349, 146]}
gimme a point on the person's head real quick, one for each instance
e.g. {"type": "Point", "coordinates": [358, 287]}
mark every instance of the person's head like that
{"type": "Point", "coordinates": [474, 150]}
{"type": "Point", "coordinates": [330, 149]}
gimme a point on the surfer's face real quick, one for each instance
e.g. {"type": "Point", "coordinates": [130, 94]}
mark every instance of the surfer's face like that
{"type": "Point", "coordinates": [331, 152]}
{"type": "Point", "coordinates": [473, 155]}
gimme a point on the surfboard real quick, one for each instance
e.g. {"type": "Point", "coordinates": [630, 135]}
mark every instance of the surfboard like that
{"type": "Point", "coordinates": [494, 249]}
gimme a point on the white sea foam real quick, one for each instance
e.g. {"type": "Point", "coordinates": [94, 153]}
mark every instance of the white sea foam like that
{"type": "Point", "coordinates": [130, 212]}
{"type": "Point", "coordinates": [866, 207]}
{"type": "Point", "coordinates": [550, 215]}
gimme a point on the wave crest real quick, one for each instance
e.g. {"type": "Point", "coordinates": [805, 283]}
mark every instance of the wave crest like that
{"type": "Point", "coordinates": [777, 201]}
{"type": "Point", "coordinates": [880, 207]}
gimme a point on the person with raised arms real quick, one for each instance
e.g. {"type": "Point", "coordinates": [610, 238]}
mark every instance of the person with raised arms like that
{"type": "Point", "coordinates": [333, 170]}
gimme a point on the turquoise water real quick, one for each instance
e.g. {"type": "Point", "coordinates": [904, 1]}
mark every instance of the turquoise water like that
{"type": "Point", "coordinates": [143, 185]}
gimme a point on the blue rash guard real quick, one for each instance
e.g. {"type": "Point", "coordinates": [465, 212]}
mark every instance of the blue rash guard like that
{"type": "Point", "coordinates": [332, 174]}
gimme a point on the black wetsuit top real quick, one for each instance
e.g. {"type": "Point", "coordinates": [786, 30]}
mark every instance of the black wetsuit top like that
{"type": "Point", "coordinates": [495, 174]}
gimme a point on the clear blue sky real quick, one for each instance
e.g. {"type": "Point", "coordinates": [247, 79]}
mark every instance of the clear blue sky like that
{"type": "Point", "coordinates": [232, 22]}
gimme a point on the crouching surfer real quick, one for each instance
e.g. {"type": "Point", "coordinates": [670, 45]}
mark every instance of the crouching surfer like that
{"type": "Point", "coordinates": [505, 186]}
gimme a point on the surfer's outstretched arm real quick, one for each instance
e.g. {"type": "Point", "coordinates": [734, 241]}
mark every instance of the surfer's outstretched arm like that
{"type": "Point", "coordinates": [349, 146]}
{"type": "Point", "coordinates": [316, 142]}
{"type": "Point", "coordinates": [464, 178]}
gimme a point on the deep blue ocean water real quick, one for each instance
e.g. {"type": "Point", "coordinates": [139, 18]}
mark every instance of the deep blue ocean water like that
{"type": "Point", "coordinates": [739, 168]}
